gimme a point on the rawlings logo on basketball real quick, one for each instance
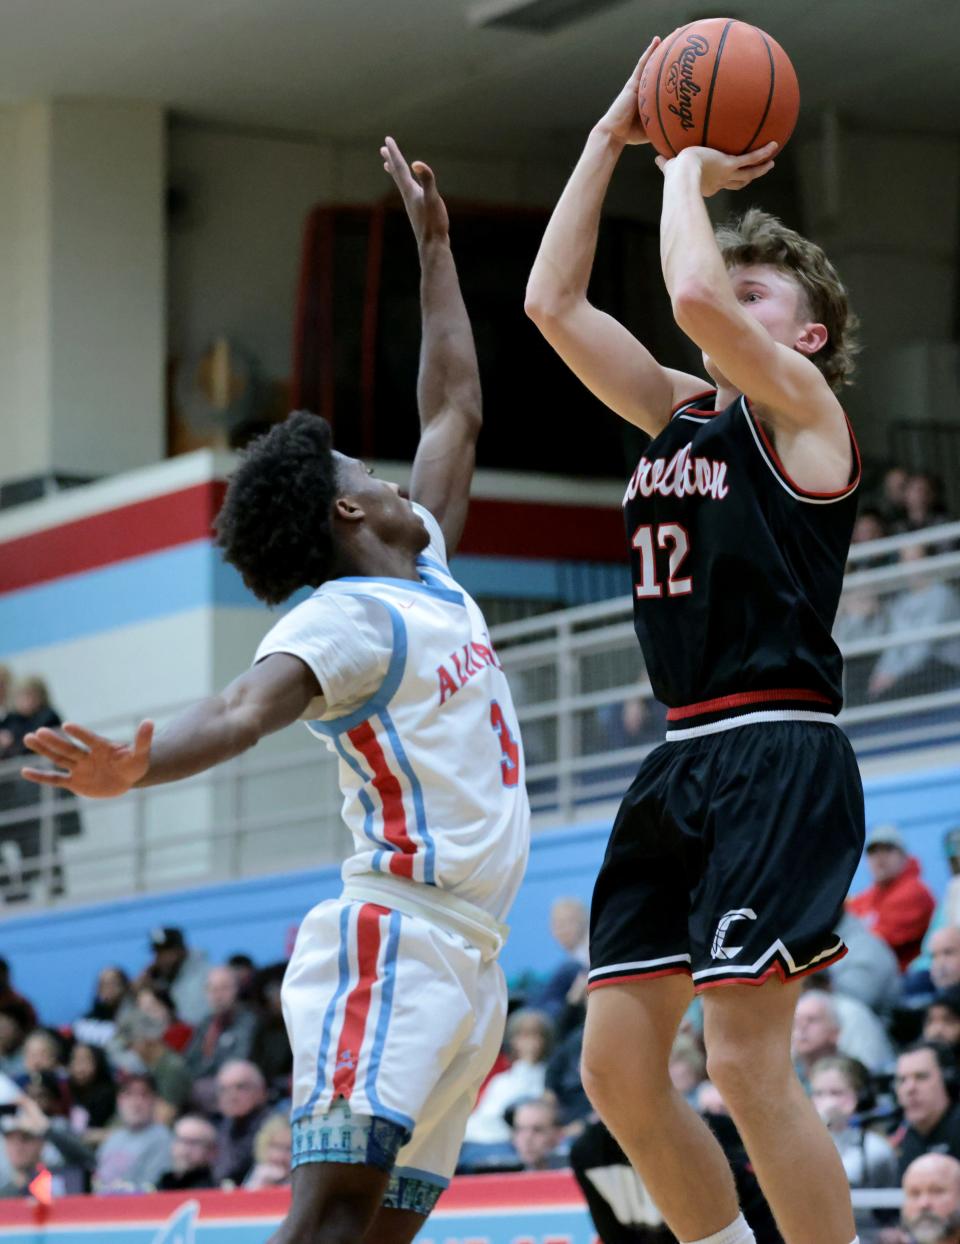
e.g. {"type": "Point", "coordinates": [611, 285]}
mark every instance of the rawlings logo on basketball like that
{"type": "Point", "coordinates": [680, 80]}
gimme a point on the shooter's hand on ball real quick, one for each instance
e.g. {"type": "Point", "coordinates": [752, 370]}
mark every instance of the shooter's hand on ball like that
{"type": "Point", "coordinates": [622, 119]}
{"type": "Point", "coordinates": [719, 171]}
{"type": "Point", "coordinates": [418, 187]}
{"type": "Point", "coordinates": [88, 764]}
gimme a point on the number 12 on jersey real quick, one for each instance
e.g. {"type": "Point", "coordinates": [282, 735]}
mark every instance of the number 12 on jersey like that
{"type": "Point", "coordinates": [669, 537]}
{"type": "Point", "coordinates": [509, 746]}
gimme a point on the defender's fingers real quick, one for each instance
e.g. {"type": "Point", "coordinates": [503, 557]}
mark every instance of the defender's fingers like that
{"type": "Point", "coordinates": [394, 153]}
{"type": "Point", "coordinates": [43, 777]}
{"type": "Point", "coordinates": [141, 744]}
{"type": "Point", "coordinates": [54, 749]}
{"type": "Point", "coordinates": [399, 170]}
{"type": "Point", "coordinates": [424, 175]}
{"type": "Point", "coordinates": [86, 738]}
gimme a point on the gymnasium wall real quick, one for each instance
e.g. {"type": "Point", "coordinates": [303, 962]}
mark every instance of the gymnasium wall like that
{"type": "Point", "coordinates": [83, 330]}
{"type": "Point", "coordinates": [234, 256]}
{"type": "Point", "coordinates": [235, 247]}
{"type": "Point", "coordinates": [116, 594]}
{"type": "Point", "coordinates": [82, 302]}
{"type": "Point", "coordinates": [8, 259]}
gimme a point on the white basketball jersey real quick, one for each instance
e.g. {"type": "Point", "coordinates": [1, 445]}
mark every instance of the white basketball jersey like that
{"type": "Point", "coordinates": [419, 712]}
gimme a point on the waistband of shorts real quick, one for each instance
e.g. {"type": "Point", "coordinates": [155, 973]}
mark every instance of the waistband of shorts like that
{"type": "Point", "coordinates": [745, 708]}
{"type": "Point", "coordinates": [437, 906]}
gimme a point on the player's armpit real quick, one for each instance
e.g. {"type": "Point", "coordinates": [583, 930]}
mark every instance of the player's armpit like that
{"type": "Point", "coordinates": [274, 693]}
{"type": "Point", "coordinates": [613, 364]}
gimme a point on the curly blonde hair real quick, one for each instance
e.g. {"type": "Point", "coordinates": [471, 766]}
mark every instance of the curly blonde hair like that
{"type": "Point", "coordinates": [759, 238]}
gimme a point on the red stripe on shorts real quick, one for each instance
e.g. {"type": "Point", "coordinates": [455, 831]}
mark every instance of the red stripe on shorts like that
{"type": "Point", "coordinates": [391, 798]}
{"type": "Point", "coordinates": [742, 700]}
{"type": "Point", "coordinates": [358, 1000]}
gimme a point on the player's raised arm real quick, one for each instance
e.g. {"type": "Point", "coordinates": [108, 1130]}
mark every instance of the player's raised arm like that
{"type": "Point", "coordinates": [271, 695]}
{"type": "Point", "coordinates": [776, 374]}
{"type": "Point", "coordinates": [606, 357]}
{"type": "Point", "coordinates": [448, 382]}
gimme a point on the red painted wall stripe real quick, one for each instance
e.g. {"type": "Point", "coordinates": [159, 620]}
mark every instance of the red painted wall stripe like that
{"type": "Point", "coordinates": [111, 536]}
{"type": "Point", "coordinates": [494, 528]}
{"type": "Point", "coordinates": [471, 1192]}
{"type": "Point", "coordinates": [391, 797]}
{"type": "Point", "coordinates": [358, 1000]}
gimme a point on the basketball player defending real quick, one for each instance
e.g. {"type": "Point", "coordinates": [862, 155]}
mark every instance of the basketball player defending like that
{"type": "Point", "coordinates": [394, 1001]}
{"type": "Point", "coordinates": [733, 849]}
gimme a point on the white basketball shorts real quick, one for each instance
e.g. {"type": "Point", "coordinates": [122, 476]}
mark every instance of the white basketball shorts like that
{"type": "Point", "coordinates": [400, 1020]}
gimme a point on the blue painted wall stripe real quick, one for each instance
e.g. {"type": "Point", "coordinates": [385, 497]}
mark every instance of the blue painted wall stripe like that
{"type": "Point", "coordinates": [141, 590]}
{"type": "Point", "coordinates": [194, 575]}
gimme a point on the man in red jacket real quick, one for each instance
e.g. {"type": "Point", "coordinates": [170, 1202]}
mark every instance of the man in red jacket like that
{"type": "Point", "coordinates": [898, 906]}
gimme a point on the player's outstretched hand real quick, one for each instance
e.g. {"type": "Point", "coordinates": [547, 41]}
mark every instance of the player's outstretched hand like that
{"type": "Point", "coordinates": [622, 119]}
{"type": "Point", "coordinates": [418, 188]}
{"type": "Point", "coordinates": [719, 171]}
{"type": "Point", "coordinates": [87, 763]}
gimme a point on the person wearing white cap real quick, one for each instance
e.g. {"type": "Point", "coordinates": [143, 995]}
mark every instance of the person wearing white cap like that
{"type": "Point", "coordinates": [898, 906]}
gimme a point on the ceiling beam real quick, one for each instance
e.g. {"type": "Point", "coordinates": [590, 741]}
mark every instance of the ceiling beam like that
{"type": "Point", "coordinates": [539, 16]}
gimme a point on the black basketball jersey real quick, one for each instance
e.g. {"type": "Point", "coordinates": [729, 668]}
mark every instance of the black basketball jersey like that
{"type": "Point", "coordinates": [736, 570]}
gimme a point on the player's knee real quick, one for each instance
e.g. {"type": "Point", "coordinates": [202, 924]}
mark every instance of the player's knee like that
{"type": "Point", "coordinates": [726, 1070]}
{"type": "Point", "coordinates": [603, 1074]}
{"type": "Point", "coordinates": [598, 1075]}
{"type": "Point", "coordinates": [594, 1078]}
{"type": "Point", "coordinates": [745, 1071]}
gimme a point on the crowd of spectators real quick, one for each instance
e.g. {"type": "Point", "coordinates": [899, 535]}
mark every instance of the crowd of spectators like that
{"type": "Point", "coordinates": [25, 706]}
{"type": "Point", "coordinates": [176, 1079]}
{"type": "Point", "coordinates": [876, 1044]}
{"type": "Point", "coordinates": [180, 1078]}
{"type": "Point", "coordinates": [903, 503]}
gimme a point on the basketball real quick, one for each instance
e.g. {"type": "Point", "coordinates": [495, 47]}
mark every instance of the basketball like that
{"type": "Point", "coordinates": [718, 83]}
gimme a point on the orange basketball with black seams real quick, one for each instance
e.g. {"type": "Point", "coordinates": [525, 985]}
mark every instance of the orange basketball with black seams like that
{"type": "Point", "coordinates": [718, 83]}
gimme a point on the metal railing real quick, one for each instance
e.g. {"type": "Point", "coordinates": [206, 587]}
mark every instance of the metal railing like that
{"type": "Point", "coordinates": [587, 716]}
{"type": "Point", "coordinates": [260, 813]}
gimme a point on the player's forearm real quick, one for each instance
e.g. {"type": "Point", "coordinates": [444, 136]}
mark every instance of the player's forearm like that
{"type": "Point", "coordinates": [206, 735]}
{"type": "Point", "coordinates": [693, 269]}
{"type": "Point", "coordinates": [561, 270]}
{"type": "Point", "coordinates": [449, 376]}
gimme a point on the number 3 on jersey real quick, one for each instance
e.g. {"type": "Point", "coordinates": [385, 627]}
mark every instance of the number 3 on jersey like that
{"type": "Point", "coordinates": [669, 536]}
{"type": "Point", "coordinates": [510, 764]}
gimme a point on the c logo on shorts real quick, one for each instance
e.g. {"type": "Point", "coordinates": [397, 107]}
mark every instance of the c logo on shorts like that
{"type": "Point", "coordinates": [718, 950]}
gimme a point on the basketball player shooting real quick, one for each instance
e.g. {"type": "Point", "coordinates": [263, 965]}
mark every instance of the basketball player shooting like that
{"type": "Point", "coordinates": [734, 847]}
{"type": "Point", "coordinates": [394, 1001]}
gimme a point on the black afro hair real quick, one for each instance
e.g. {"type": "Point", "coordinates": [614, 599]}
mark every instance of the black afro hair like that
{"type": "Point", "coordinates": [275, 524]}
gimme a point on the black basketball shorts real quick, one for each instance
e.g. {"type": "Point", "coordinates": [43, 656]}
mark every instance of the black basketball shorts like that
{"type": "Point", "coordinates": [730, 858]}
